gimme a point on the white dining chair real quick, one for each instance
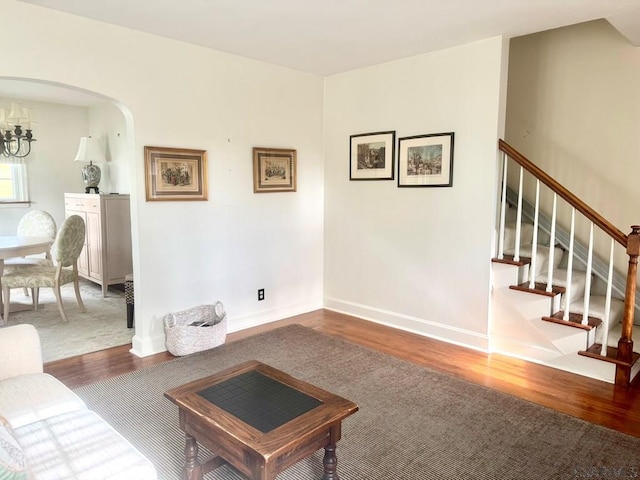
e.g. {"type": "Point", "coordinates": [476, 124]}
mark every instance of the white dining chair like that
{"type": "Point", "coordinates": [35, 223]}
{"type": "Point", "coordinates": [65, 252]}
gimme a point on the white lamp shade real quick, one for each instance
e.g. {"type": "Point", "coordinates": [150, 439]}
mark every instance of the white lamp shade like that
{"type": "Point", "coordinates": [16, 115]}
{"type": "Point", "coordinates": [90, 150]}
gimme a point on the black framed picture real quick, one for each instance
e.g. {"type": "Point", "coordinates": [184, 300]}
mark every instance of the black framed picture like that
{"type": "Point", "coordinates": [372, 156]}
{"type": "Point", "coordinates": [426, 160]}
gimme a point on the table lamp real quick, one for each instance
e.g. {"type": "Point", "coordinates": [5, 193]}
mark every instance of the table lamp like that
{"type": "Point", "coordinates": [90, 150]}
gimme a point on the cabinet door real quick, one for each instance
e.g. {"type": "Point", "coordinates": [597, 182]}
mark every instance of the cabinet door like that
{"type": "Point", "coordinates": [94, 244]}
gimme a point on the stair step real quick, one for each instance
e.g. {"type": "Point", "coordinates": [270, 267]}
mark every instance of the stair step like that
{"type": "Point", "coordinates": [597, 309]}
{"type": "Point", "coordinates": [542, 256]}
{"type": "Point", "coordinates": [526, 235]}
{"type": "Point", "coordinates": [612, 352]}
{"type": "Point", "coordinates": [509, 259]}
{"type": "Point", "coordinates": [616, 332]}
{"type": "Point", "coordinates": [539, 289]}
{"type": "Point", "coordinates": [574, 321]}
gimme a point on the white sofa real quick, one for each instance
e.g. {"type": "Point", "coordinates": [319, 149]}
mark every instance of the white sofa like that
{"type": "Point", "coordinates": [46, 430]}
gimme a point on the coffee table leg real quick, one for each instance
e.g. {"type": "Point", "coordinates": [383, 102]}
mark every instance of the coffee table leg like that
{"type": "Point", "coordinates": [330, 463]}
{"type": "Point", "coordinates": [192, 469]}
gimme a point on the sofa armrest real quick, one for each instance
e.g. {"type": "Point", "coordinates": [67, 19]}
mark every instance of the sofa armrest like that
{"type": "Point", "coordinates": [20, 351]}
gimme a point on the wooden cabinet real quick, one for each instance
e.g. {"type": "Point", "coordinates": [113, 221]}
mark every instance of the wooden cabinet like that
{"type": "Point", "coordinates": [106, 256]}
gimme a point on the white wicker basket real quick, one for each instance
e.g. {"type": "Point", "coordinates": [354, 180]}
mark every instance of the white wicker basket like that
{"type": "Point", "coordinates": [184, 338]}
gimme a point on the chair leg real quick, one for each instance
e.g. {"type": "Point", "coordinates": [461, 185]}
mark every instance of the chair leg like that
{"type": "Point", "coordinates": [35, 297]}
{"type": "Point", "coordinates": [7, 302]}
{"type": "Point", "coordinates": [76, 287]}
{"type": "Point", "coordinates": [56, 293]}
{"type": "Point", "coordinates": [26, 291]}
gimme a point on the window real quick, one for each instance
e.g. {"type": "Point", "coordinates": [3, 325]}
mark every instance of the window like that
{"type": "Point", "coordinates": [13, 182]}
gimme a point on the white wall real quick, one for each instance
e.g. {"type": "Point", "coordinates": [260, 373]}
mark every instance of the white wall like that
{"type": "Point", "coordinates": [107, 122]}
{"type": "Point", "coordinates": [50, 167]}
{"type": "Point", "coordinates": [574, 109]}
{"type": "Point", "coordinates": [413, 258]}
{"type": "Point", "coordinates": [178, 95]}
{"type": "Point", "coordinates": [416, 258]}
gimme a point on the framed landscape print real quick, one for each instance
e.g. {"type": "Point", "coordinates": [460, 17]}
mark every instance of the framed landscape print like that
{"type": "Point", "coordinates": [175, 174]}
{"type": "Point", "coordinates": [274, 170]}
{"type": "Point", "coordinates": [426, 160]}
{"type": "Point", "coordinates": [372, 156]}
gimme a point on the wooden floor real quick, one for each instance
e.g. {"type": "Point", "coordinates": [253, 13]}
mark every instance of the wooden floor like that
{"type": "Point", "coordinates": [589, 399]}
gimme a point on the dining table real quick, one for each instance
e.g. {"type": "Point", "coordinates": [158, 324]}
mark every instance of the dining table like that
{"type": "Point", "coordinates": [20, 246]}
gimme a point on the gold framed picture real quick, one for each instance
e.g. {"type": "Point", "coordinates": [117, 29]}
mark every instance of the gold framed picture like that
{"type": "Point", "coordinates": [175, 174]}
{"type": "Point", "coordinates": [274, 170]}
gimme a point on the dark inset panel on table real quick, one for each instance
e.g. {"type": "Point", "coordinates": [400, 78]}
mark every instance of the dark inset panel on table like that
{"type": "Point", "coordinates": [259, 401]}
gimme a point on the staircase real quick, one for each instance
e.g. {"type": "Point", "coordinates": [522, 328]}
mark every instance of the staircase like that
{"type": "Point", "coordinates": [551, 305]}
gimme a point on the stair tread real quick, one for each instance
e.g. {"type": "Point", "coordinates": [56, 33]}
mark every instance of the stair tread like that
{"type": "Point", "coordinates": [575, 320]}
{"type": "Point", "coordinates": [508, 259]}
{"type": "Point", "coordinates": [539, 288]}
{"type": "Point", "coordinates": [612, 353]}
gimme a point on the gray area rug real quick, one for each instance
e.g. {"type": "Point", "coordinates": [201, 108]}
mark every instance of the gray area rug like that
{"type": "Point", "coordinates": [413, 423]}
{"type": "Point", "coordinates": [104, 324]}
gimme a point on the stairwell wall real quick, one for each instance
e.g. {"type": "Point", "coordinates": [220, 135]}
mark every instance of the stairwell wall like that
{"type": "Point", "coordinates": [573, 109]}
{"type": "Point", "coordinates": [416, 258]}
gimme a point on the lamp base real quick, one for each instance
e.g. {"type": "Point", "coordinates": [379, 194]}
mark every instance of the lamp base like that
{"type": "Point", "coordinates": [91, 176]}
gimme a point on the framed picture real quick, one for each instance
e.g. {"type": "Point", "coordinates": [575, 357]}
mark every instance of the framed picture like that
{"type": "Point", "coordinates": [175, 174]}
{"type": "Point", "coordinates": [426, 160]}
{"type": "Point", "coordinates": [274, 170]}
{"type": "Point", "coordinates": [372, 156]}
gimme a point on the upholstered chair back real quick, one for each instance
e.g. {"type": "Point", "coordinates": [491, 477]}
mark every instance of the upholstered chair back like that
{"type": "Point", "coordinates": [37, 223]}
{"type": "Point", "coordinates": [68, 245]}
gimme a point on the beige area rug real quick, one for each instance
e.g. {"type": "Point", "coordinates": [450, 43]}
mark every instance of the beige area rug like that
{"type": "Point", "coordinates": [104, 324]}
{"type": "Point", "coordinates": [413, 423]}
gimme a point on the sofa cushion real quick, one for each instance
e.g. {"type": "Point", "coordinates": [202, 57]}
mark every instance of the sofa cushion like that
{"type": "Point", "coordinates": [30, 398]}
{"type": "Point", "coordinates": [80, 445]}
{"type": "Point", "coordinates": [12, 460]}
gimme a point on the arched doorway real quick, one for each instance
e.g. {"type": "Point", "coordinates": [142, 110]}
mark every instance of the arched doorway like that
{"type": "Point", "coordinates": [63, 114]}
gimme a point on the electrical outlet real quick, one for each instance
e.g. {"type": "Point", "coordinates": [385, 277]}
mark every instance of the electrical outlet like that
{"type": "Point", "coordinates": [260, 294]}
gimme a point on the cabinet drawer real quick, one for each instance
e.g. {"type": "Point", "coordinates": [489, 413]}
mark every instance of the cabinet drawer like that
{"type": "Point", "coordinates": [87, 204]}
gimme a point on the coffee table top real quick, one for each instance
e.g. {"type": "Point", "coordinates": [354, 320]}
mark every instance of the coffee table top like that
{"type": "Point", "coordinates": [259, 400]}
{"type": "Point", "coordinates": [259, 405]}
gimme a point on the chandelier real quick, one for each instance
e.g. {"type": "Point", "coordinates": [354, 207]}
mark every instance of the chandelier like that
{"type": "Point", "coordinates": [16, 142]}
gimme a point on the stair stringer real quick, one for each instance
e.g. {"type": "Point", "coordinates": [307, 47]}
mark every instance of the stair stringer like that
{"type": "Point", "coordinates": [517, 330]}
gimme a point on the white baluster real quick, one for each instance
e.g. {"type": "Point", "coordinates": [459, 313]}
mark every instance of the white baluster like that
{"type": "Point", "coordinates": [567, 302]}
{"type": "Point", "coordinates": [607, 304]}
{"type": "Point", "coordinates": [503, 207]}
{"type": "Point", "coordinates": [587, 284]}
{"type": "Point", "coordinates": [534, 241]}
{"type": "Point", "coordinates": [552, 242]}
{"type": "Point", "coordinates": [516, 256]}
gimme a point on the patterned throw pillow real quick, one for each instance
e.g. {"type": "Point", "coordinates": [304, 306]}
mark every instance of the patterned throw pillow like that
{"type": "Point", "coordinates": [12, 462]}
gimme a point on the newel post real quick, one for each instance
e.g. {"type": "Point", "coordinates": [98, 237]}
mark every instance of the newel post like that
{"type": "Point", "coordinates": [625, 344]}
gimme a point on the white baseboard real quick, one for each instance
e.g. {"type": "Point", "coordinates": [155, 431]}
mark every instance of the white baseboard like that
{"type": "Point", "coordinates": [267, 316]}
{"type": "Point", "coordinates": [427, 328]}
{"type": "Point", "coordinates": [145, 346]}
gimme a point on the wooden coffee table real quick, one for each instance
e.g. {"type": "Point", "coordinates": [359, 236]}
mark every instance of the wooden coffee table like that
{"type": "Point", "coordinates": [259, 420]}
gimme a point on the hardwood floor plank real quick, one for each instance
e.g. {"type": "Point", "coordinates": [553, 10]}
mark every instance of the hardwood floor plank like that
{"type": "Point", "coordinates": [592, 400]}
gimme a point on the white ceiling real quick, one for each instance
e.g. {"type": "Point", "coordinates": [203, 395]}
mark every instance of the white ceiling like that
{"type": "Point", "coordinates": [333, 36]}
{"type": "Point", "coordinates": [330, 36]}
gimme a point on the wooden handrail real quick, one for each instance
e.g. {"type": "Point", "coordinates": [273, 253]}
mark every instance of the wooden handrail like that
{"type": "Point", "coordinates": [569, 197]}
